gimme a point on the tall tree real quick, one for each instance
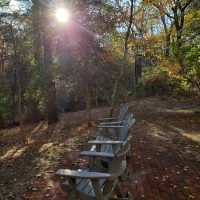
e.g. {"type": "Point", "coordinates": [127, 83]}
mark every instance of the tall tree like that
{"type": "Point", "coordinates": [50, 87]}
{"type": "Point", "coordinates": [176, 11]}
{"type": "Point", "coordinates": [124, 60]}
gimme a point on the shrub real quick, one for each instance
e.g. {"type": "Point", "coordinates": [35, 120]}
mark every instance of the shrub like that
{"type": "Point", "coordinates": [154, 81]}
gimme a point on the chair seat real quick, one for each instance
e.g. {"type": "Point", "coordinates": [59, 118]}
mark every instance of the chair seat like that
{"type": "Point", "coordinates": [83, 185]}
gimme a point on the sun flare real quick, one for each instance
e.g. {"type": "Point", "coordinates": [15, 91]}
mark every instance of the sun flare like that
{"type": "Point", "coordinates": [62, 15]}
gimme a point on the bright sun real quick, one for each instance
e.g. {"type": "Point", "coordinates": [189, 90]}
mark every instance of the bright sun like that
{"type": "Point", "coordinates": [62, 15]}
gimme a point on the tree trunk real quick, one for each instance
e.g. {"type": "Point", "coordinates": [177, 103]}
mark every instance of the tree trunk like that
{"type": "Point", "coordinates": [179, 37]}
{"type": "Point", "coordinates": [13, 96]}
{"type": "Point", "coordinates": [38, 54]}
{"type": "Point", "coordinates": [36, 20]}
{"type": "Point", "coordinates": [167, 45]}
{"type": "Point", "coordinates": [95, 93]}
{"type": "Point", "coordinates": [134, 81]}
{"type": "Point", "coordinates": [167, 34]}
{"type": "Point", "coordinates": [18, 83]}
{"type": "Point", "coordinates": [179, 24]}
{"type": "Point", "coordinates": [124, 62]}
{"type": "Point", "coordinates": [21, 117]}
{"type": "Point", "coordinates": [88, 104]}
{"type": "Point", "coordinates": [52, 103]}
{"type": "Point", "coordinates": [52, 111]}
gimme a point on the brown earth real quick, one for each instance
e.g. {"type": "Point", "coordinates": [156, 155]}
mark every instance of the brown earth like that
{"type": "Point", "coordinates": [165, 159]}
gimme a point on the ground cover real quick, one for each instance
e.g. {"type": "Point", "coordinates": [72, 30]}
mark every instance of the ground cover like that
{"type": "Point", "coordinates": [165, 155]}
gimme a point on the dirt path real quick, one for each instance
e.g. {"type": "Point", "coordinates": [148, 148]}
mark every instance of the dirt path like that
{"type": "Point", "coordinates": [165, 157]}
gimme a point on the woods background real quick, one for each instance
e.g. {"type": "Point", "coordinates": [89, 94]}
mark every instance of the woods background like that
{"type": "Point", "coordinates": [134, 48]}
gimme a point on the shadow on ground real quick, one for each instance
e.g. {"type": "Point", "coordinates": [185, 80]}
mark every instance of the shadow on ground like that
{"type": "Point", "coordinates": [165, 159]}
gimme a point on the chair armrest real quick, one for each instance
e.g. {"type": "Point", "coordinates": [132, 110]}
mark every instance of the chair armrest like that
{"type": "Point", "coordinates": [108, 118]}
{"type": "Point", "coordinates": [108, 123]}
{"type": "Point", "coordinates": [104, 142]}
{"type": "Point", "coordinates": [109, 126]}
{"type": "Point", "coordinates": [97, 154]}
{"type": "Point", "coordinates": [107, 137]}
{"type": "Point", "coordinates": [82, 174]}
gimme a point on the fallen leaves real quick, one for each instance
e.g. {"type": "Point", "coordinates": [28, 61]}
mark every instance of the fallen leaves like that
{"type": "Point", "coordinates": [157, 142]}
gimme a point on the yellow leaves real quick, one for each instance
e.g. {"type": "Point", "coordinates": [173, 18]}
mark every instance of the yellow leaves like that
{"type": "Point", "coordinates": [45, 147]}
{"type": "Point", "coordinates": [29, 139]}
{"type": "Point", "coordinates": [13, 153]}
{"type": "Point", "coordinates": [169, 3]}
{"type": "Point", "coordinates": [171, 66]}
{"type": "Point", "coordinates": [192, 16]}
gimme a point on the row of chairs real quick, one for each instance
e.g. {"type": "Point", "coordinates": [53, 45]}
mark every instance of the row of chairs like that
{"type": "Point", "coordinates": [107, 162]}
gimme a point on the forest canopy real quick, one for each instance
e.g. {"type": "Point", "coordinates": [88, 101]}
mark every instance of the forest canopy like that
{"type": "Point", "coordinates": [107, 52]}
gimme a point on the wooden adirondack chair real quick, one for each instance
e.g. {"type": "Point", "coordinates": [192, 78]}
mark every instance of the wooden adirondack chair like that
{"type": "Point", "coordinates": [104, 142]}
{"type": "Point", "coordinates": [115, 131]}
{"type": "Point", "coordinates": [105, 125]}
{"type": "Point", "coordinates": [87, 185]}
{"type": "Point", "coordinates": [115, 120]}
{"type": "Point", "coordinates": [103, 145]}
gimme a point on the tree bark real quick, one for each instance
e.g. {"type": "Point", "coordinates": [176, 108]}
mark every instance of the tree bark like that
{"type": "Point", "coordinates": [36, 20]}
{"type": "Point", "coordinates": [18, 83]}
{"type": "Point", "coordinates": [167, 35]}
{"type": "Point", "coordinates": [21, 117]}
{"type": "Point", "coordinates": [38, 55]}
{"type": "Point", "coordinates": [13, 94]}
{"type": "Point", "coordinates": [88, 103]}
{"type": "Point", "coordinates": [51, 100]}
{"type": "Point", "coordinates": [52, 103]}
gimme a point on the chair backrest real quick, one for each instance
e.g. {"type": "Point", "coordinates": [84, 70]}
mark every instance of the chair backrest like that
{"type": "Point", "coordinates": [122, 113]}
{"type": "Point", "coordinates": [118, 165]}
{"type": "Point", "coordinates": [129, 121]}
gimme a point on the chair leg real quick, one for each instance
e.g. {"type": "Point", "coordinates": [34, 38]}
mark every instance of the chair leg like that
{"type": "Point", "coordinates": [92, 163]}
{"type": "Point", "coordinates": [130, 196]}
{"type": "Point", "coordinates": [120, 195]}
{"type": "Point", "coordinates": [73, 193]}
{"type": "Point", "coordinates": [127, 175]}
{"type": "Point", "coordinates": [118, 190]}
